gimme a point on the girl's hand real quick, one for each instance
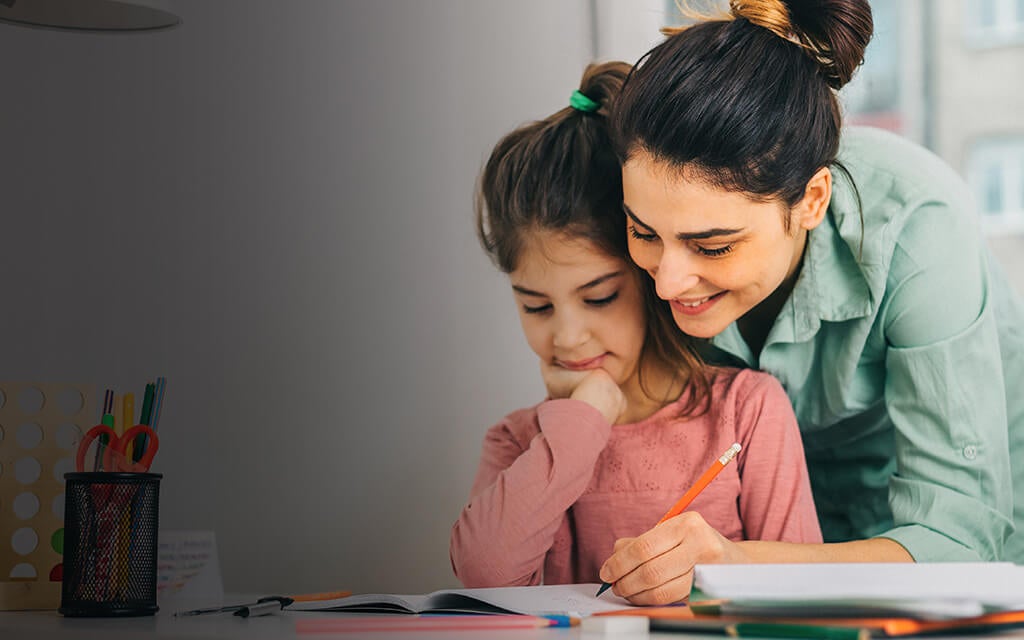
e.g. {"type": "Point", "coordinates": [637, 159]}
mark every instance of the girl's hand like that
{"type": "Point", "coordinates": [656, 568]}
{"type": "Point", "coordinates": [595, 387]}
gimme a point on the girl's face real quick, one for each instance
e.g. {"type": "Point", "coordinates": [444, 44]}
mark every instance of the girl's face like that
{"type": "Point", "coordinates": [714, 254]}
{"type": "Point", "coordinates": [580, 308]}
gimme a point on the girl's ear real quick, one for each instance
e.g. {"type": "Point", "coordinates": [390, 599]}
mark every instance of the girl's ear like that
{"type": "Point", "coordinates": [810, 211]}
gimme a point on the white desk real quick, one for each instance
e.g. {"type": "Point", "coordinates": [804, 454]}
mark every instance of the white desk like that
{"type": "Point", "coordinates": [50, 625]}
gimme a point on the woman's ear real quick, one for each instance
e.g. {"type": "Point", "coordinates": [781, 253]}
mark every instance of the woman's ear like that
{"type": "Point", "coordinates": [810, 211]}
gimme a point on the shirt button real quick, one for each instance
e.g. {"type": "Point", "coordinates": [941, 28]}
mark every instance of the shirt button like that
{"type": "Point", "coordinates": [970, 452]}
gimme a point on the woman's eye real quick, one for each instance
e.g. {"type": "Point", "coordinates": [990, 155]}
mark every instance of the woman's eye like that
{"type": "Point", "coordinates": [712, 253]}
{"type": "Point", "coordinates": [601, 302]}
{"type": "Point", "coordinates": [541, 309]}
{"type": "Point", "coordinates": [643, 237]}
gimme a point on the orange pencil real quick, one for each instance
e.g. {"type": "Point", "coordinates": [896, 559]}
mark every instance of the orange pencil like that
{"type": "Point", "coordinates": [694, 491]}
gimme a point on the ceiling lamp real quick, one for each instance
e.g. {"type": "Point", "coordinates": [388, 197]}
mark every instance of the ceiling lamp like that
{"type": "Point", "coordinates": [89, 15]}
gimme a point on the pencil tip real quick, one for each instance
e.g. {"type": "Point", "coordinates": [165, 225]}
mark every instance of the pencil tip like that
{"type": "Point", "coordinates": [604, 587]}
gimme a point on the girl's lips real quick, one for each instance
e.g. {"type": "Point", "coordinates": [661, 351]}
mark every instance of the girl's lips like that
{"type": "Point", "coordinates": [582, 365]}
{"type": "Point", "coordinates": [691, 309]}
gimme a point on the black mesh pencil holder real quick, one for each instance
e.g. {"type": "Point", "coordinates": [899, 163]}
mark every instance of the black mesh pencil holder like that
{"type": "Point", "coordinates": [110, 544]}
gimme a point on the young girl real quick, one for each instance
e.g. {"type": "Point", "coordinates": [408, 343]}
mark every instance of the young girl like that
{"type": "Point", "coordinates": [845, 262]}
{"type": "Point", "coordinates": [632, 418]}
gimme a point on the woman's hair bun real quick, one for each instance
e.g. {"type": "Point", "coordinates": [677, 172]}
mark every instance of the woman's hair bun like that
{"type": "Point", "coordinates": [833, 32]}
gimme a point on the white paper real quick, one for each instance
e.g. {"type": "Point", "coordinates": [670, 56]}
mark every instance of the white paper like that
{"type": "Point", "coordinates": [188, 566]}
{"type": "Point", "coordinates": [996, 585]}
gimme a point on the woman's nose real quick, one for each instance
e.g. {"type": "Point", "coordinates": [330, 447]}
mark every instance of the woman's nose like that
{"type": "Point", "coordinates": [675, 274]}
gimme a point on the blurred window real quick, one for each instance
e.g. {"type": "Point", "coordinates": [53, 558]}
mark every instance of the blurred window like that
{"type": "Point", "coordinates": [995, 171]}
{"type": "Point", "coordinates": [992, 23]}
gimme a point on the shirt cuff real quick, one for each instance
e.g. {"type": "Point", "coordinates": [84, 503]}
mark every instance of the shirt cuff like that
{"type": "Point", "coordinates": [928, 545]}
{"type": "Point", "coordinates": [568, 411]}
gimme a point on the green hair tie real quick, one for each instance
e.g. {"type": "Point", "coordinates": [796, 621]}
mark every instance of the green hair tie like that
{"type": "Point", "coordinates": [581, 102]}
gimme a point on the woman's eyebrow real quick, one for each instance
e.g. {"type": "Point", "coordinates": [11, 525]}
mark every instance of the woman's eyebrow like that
{"type": "Point", "coordinates": [632, 216]}
{"type": "Point", "coordinates": [690, 235]}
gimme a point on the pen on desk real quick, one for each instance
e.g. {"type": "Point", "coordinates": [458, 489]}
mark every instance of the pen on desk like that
{"type": "Point", "coordinates": [693, 492]}
{"type": "Point", "coordinates": [263, 606]}
{"type": "Point", "coordinates": [795, 630]}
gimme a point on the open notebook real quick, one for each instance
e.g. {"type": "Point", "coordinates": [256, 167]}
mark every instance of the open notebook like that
{"type": "Point", "coordinates": [569, 599]}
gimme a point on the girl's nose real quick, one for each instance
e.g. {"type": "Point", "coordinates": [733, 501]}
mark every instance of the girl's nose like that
{"type": "Point", "coordinates": [571, 331]}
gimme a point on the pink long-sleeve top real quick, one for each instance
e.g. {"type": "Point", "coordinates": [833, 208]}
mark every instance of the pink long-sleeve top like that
{"type": "Point", "coordinates": [557, 484]}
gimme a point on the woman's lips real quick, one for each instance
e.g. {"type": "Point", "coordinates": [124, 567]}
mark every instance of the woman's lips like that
{"type": "Point", "coordinates": [696, 306]}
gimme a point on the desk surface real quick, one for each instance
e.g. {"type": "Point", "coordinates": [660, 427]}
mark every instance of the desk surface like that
{"type": "Point", "coordinates": [50, 625]}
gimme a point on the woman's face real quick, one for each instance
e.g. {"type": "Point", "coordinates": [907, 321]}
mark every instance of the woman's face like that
{"type": "Point", "coordinates": [714, 254]}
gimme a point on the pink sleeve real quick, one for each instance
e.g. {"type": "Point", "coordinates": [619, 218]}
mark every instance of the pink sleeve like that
{"type": "Point", "coordinates": [775, 499]}
{"type": "Point", "coordinates": [529, 476]}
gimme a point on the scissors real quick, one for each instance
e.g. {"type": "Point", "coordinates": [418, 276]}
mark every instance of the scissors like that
{"type": "Point", "coordinates": [115, 457]}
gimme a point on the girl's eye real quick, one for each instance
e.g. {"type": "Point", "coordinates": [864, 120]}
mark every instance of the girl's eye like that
{"type": "Point", "coordinates": [541, 309]}
{"type": "Point", "coordinates": [603, 301]}
{"type": "Point", "coordinates": [713, 253]}
{"type": "Point", "coordinates": [643, 237]}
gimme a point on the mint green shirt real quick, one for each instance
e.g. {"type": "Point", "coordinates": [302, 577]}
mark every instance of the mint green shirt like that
{"type": "Point", "coordinates": [901, 348]}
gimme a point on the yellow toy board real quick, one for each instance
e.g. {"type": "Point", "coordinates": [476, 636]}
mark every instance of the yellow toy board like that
{"type": "Point", "coordinates": [40, 427]}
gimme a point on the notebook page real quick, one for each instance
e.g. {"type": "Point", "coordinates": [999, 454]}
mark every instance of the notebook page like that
{"type": "Point", "coordinates": [571, 599]}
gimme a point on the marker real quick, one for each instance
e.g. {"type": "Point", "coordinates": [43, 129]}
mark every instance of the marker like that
{"type": "Point", "coordinates": [694, 491]}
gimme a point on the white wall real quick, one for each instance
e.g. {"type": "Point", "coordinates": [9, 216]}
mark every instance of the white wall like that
{"type": "Point", "coordinates": [271, 205]}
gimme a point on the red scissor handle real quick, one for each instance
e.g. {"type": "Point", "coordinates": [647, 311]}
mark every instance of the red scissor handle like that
{"type": "Point", "coordinates": [114, 457]}
{"type": "Point", "coordinates": [142, 466]}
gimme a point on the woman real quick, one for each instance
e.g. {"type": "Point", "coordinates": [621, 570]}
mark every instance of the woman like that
{"type": "Point", "coordinates": [846, 264]}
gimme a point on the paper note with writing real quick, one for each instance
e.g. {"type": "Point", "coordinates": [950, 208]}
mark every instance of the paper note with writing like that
{"type": "Point", "coordinates": [188, 566]}
{"type": "Point", "coordinates": [568, 599]}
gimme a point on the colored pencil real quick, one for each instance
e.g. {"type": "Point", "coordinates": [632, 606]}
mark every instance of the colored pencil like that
{"type": "Point", "coordinates": [694, 491]}
{"type": "Point", "coordinates": [363, 624]}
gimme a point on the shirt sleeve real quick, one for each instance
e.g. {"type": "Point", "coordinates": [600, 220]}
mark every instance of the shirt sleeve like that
{"type": "Point", "coordinates": [951, 493]}
{"type": "Point", "coordinates": [527, 480]}
{"type": "Point", "coordinates": [775, 496]}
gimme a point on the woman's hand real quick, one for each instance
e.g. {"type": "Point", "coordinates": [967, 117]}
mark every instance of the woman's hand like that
{"type": "Point", "coordinates": [595, 387]}
{"type": "Point", "coordinates": [656, 568]}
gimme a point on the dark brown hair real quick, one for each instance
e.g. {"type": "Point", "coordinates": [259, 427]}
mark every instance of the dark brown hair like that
{"type": "Point", "coordinates": [747, 101]}
{"type": "Point", "coordinates": [561, 174]}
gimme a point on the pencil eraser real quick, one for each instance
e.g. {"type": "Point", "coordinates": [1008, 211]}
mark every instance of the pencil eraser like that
{"type": "Point", "coordinates": [615, 625]}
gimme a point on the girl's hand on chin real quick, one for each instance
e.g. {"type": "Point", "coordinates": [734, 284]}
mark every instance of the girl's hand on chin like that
{"type": "Point", "coordinates": [595, 387]}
